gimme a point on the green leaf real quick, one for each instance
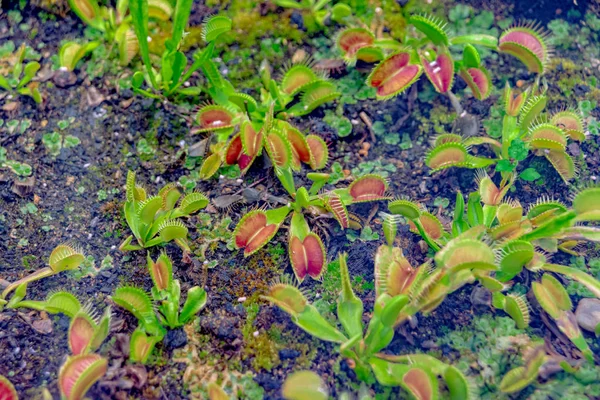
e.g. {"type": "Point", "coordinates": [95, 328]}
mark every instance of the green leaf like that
{"type": "Point", "coordinates": [505, 166]}
{"type": "Point", "coordinates": [196, 300]}
{"type": "Point", "coordinates": [139, 15]}
{"type": "Point", "coordinates": [518, 150]}
{"type": "Point", "coordinates": [474, 210]}
{"type": "Point", "coordinates": [180, 20]}
{"type": "Point", "coordinates": [530, 174]}
{"type": "Point", "coordinates": [349, 307]}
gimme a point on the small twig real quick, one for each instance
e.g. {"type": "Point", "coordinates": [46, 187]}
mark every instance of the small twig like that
{"type": "Point", "coordinates": [369, 124]}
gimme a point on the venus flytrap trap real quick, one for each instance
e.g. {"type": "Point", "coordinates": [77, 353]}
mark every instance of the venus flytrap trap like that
{"type": "Point", "coordinates": [305, 248]}
{"type": "Point", "coordinates": [64, 257]}
{"type": "Point", "coordinates": [417, 374]}
{"type": "Point", "coordinates": [431, 53]}
{"type": "Point", "coordinates": [155, 220]}
{"type": "Point", "coordinates": [87, 332]}
{"type": "Point", "coordinates": [525, 129]}
{"type": "Point", "coordinates": [7, 390]}
{"type": "Point", "coordinates": [160, 310]}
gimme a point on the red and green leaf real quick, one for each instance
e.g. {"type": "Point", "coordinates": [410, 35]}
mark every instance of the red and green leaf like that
{"type": "Point", "coordinates": [81, 333]}
{"type": "Point", "coordinates": [307, 256]}
{"type": "Point", "coordinates": [368, 188]}
{"type": "Point", "coordinates": [349, 41]}
{"type": "Point", "coordinates": [478, 80]}
{"type": "Point", "coordinates": [251, 140]}
{"type": "Point", "coordinates": [79, 373]}
{"type": "Point", "coordinates": [7, 390]}
{"type": "Point", "coordinates": [319, 154]}
{"type": "Point", "coordinates": [394, 75]}
{"type": "Point", "coordinates": [440, 72]}
{"type": "Point", "coordinates": [213, 117]}
{"type": "Point", "coordinates": [253, 232]}
{"type": "Point", "coordinates": [528, 45]}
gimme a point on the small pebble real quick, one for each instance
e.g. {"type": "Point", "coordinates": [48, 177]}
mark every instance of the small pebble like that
{"type": "Point", "coordinates": [241, 299]}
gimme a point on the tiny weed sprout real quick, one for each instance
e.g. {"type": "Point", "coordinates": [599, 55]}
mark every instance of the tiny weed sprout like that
{"type": "Point", "coordinates": [64, 257]}
{"type": "Point", "coordinates": [525, 129]}
{"type": "Point", "coordinates": [429, 51]}
{"type": "Point", "coordinates": [305, 248]}
{"type": "Point", "coordinates": [22, 170]}
{"type": "Point", "coordinates": [17, 79]}
{"type": "Point", "coordinates": [416, 373]}
{"type": "Point", "coordinates": [156, 220]}
{"type": "Point", "coordinates": [160, 310]}
{"type": "Point", "coordinates": [172, 73]}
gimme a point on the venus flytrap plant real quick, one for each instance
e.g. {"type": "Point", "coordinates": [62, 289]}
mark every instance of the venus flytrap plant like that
{"type": "Point", "coordinates": [455, 264]}
{"type": "Point", "coordinates": [416, 374]}
{"type": "Point", "coordinates": [520, 240]}
{"type": "Point", "coordinates": [19, 78]}
{"type": "Point", "coordinates": [87, 331]}
{"type": "Point", "coordinates": [413, 55]}
{"type": "Point", "coordinates": [262, 125]}
{"type": "Point", "coordinates": [159, 311]}
{"type": "Point", "coordinates": [116, 26]}
{"type": "Point", "coordinates": [279, 140]}
{"type": "Point", "coordinates": [305, 248]}
{"type": "Point", "coordinates": [525, 129]}
{"type": "Point", "coordinates": [155, 220]}
{"type": "Point", "coordinates": [167, 82]}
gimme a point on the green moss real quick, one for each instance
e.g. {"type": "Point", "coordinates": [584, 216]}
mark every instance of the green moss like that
{"type": "Point", "coordinates": [488, 348]}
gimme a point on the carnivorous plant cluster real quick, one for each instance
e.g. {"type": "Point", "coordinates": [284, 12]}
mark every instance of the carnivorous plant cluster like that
{"type": "Point", "coordinates": [305, 248]}
{"type": "Point", "coordinates": [525, 128]}
{"type": "Point", "coordinates": [416, 373]}
{"type": "Point", "coordinates": [155, 220]}
{"type": "Point", "coordinates": [160, 310]}
{"type": "Point", "coordinates": [262, 125]}
{"type": "Point", "coordinates": [431, 53]}
{"type": "Point", "coordinates": [520, 240]}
